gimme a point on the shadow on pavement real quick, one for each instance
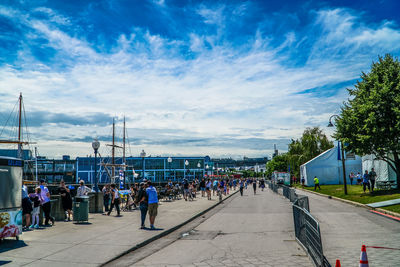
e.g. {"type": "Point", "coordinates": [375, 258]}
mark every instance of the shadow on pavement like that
{"type": "Point", "coordinates": [155, 229]}
{"type": "Point", "coordinates": [8, 244]}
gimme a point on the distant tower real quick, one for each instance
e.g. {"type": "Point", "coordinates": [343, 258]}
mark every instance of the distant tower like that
{"type": "Point", "coordinates": [275, 152]}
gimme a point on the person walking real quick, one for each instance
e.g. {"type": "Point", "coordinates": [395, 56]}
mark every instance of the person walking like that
{"type": "Point", "coordinates": [351, 177]}
{"type": "Point", "coordinates": [152, 203]}
{"type": "Point", "coordinates": [366, 181]}
{"type": "Point", "coordinates": [115, 200]}
{"type": "Point", "coordinates": [262, 184]}
{"type": "Point", "coordinates": [359, 179]}
{"type": "Point", "coordinates": [215, 186]}
{"type": "Point", "coordinates": [26, 207]}
{"type": "Point", "coordinates": [106, 197]}
{"type": "Point", "coordinates": [372, 178]}
{"type": "Point", "coordinates": [143, 204]}
{"type": "Point", "coordinates": [254, 185]}
{"type": "Point", "coordinates": [36, 199]}
{"type": "Point", "coordinates": [66, 200]}
{"type": "Point", "coordinates": [241, 186]}
{"type": "Point", "coordinates": [208, 189]}
{"type": "Point", "coordinates": [46, 204]}
{"type": "Point", "coordinates": [316, 183]}
{"type": "Point", "coordinates": [203, 187]}
{"type": "Point", "coordinates": [185, 189]}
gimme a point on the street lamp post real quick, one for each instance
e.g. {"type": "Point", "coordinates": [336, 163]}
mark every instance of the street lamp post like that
{"type": "Point", "coordinates": [186, 165]}
{"type": "Point", "coordinates": [207, 170]}
{"type": "Point", "coordinates": [342, 156]}
{"type": "Point", "coordinates": [198, 166]}
{"type": "Point", "coordinates": [169, 165]}
{"type": "Point", "coordinates": [96, 146]}
{"type": "Point", "coordinates": [143, 155]}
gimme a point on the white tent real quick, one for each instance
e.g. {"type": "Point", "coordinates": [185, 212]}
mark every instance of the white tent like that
{"type": "Point", "coordinates": [328, 168]}
{"type": "Point", "coordinates": [383, 171]}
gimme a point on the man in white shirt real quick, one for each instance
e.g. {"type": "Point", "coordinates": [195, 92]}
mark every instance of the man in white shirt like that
{"type": "Point", "coordinates": [46, 205]}
{"type": "Point", "coordinates": [83, 190]}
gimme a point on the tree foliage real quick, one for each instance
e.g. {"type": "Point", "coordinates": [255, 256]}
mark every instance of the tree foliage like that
{"type": "Point", "coordinates": [370, 120]}
{"type": "Point", "coordinates": [312, 143]}
{"type": "Point", "coordinates": [278, 163]}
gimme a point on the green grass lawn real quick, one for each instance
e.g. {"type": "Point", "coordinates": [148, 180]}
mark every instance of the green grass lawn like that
{"type": "Point", "coordinates": [394, 208]}
{"type": "Point", "coordinates": [355, 193]}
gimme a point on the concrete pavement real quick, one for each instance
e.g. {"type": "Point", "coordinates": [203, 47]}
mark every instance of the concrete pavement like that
{"type": "Point", "coordinates": [345, 228]}
{"type": "Point", "coordinates": [247, 231]}
{"type": "Point", "coordinates": [92, 244]}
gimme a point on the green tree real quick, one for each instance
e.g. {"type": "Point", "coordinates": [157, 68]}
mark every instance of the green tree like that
{"type": "Point", "coordinates": [278, 163]}
{"type": "Point", "coordinates": [312, 143]}
{"type": "Point", "coordinates": [370, 120]}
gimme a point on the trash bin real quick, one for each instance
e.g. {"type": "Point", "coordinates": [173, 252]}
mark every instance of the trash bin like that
{"type": "Point", "coordinates": [81, 209]}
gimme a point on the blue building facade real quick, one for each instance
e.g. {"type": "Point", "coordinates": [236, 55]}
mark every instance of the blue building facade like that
{"type": "Point", "coordinates": [156, 169]}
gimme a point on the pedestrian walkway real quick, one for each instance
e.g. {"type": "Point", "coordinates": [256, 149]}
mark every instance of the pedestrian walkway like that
{"type": "Point", "coordinates": [345, 228]}
{"type": "Point", "coordinates": [253, 230]}
{"type": "Point", "coordinates": [105, 237]}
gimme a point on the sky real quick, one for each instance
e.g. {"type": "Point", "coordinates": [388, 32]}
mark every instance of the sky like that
{"type": "Point", "coordinates": [219, 78]}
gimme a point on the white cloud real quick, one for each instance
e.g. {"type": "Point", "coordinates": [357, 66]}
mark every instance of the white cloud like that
{"type": "Point", "coordinates": [220, 92]}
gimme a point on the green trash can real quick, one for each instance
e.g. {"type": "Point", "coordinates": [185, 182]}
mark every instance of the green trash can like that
{"type": "Point", "coordinates": [81, 209]}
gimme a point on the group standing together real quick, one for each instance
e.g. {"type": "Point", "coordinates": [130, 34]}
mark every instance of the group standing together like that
{"type": "Point", "coordinates": [143, 195]}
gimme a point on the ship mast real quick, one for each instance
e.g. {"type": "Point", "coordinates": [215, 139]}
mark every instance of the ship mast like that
{"type": "Point", "coordinates": [123, 147]}
{"type": "Point", "coordinates": [113, 151]}
{"type": "Point", "coordinates": [113, 164]}
{"type": "Point", "coordinates": [19, 126]}
{"type": "Point", "coordinates": [19, 141]}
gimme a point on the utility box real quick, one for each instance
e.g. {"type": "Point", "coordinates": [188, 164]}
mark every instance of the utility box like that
{"type": "Point", "coordinates": [81, 209]}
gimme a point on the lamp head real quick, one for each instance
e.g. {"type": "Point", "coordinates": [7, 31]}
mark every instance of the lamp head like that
{"type": "Point", "coordinates": [169, 159]}
{"type": "Point", "coordinates": [142, 154]}
{"type": "Point", "coordinates": [330, 124]}
{"type": "Point", "coordinates": [95, 144]}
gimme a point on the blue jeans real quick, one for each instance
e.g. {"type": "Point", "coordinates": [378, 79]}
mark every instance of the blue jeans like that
{"type": "Point", "coordinates": [143, 212]}
{"type": "Point", "coordinates": [106, 204]}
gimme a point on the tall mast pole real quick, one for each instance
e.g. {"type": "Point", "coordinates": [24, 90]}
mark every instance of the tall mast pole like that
{"type": "Point", "coordinates": [113, 151]}
{"type": "Point", "coordinates": [36, 167]}
{"type": "Point", "coordinates": [19, 126]}
{"type": "Point", "coordinates": [123, 155]}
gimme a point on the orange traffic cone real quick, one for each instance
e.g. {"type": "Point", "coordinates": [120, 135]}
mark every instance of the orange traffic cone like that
{"type": "Point", "coordinates": [337, 263]}
{"type": "Point", "coordinates": [363, 257]}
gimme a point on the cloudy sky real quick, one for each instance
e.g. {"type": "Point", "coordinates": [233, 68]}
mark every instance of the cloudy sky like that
{"type": "Point", "coordinates": [218, 78]}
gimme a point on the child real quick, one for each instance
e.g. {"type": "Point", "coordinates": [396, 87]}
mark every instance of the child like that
{"type": "Point", "coordinates": [36, 199]}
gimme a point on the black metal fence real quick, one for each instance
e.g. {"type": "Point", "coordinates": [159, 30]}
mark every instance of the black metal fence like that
{"type": "Point", "coordinates": [306, 227]}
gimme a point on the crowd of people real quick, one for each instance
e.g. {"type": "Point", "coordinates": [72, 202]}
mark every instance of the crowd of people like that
{"type": "Point", "coordinates": [143, 196]}
{"type": "Point", "coordinates": [367, 180]}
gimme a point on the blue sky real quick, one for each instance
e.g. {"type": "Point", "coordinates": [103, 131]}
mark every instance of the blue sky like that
{"type": "Point", "coordinates": [218, 78]}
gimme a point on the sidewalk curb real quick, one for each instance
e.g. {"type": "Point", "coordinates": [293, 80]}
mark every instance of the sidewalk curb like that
{"type": "Point", "coordinates": [352, 203]}
{"type": "Point", "coordinates": [166, 232]}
